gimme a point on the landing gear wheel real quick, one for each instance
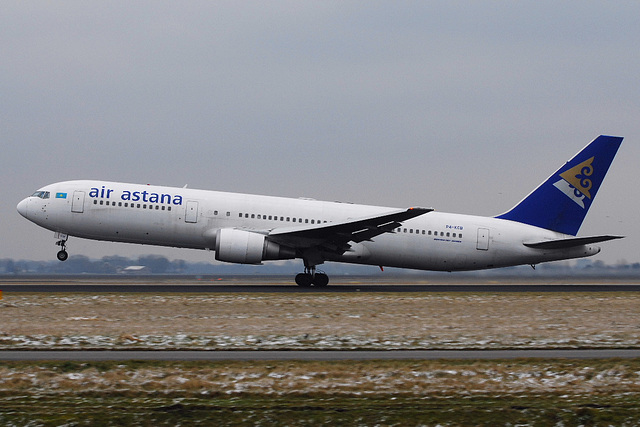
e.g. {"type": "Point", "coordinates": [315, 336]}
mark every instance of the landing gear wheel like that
{"type": "Point", "coordinates": [62, 255]}
{"type": "Point", "coordinates": [304, 280]}
{"type": "Point", "coordinates": [320, 280]}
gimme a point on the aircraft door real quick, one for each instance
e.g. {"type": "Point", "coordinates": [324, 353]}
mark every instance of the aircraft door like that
{"type": "Point", "coordinates": [483, 239]}
{"type": "Point", "coordinates": [191, 214]}
{"type": "Point", "coordinates": [77, 203]}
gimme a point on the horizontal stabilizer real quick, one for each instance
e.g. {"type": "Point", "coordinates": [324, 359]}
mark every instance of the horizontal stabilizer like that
{"type": "Point", "coordinates": [570, 243]}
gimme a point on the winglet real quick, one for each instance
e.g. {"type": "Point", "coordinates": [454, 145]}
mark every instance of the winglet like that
{"type": "Point", "coordinates": [563, 200]}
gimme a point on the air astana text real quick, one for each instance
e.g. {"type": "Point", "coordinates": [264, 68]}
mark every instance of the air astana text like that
{"type": "Point", "coordinates": [135, 196]}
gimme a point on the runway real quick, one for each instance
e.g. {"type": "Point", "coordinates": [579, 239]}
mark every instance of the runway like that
{"type": "Point", "coordinates": [311, 355]}
{"type": "Point", "coordinates": [238, 287]}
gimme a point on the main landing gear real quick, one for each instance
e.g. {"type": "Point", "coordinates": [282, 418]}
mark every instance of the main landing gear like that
{"type": "Point", "coordinates": [62, 255]}
{"type": "Point", "coordinates": [312, 278]}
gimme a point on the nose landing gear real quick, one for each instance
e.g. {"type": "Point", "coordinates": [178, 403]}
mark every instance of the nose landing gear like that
{"type": "Point", "coordinates": [62, 255]}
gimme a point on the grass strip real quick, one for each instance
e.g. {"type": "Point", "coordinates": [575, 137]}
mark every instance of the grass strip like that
{"type": "Point", "coordinates": [297, 393]}
{"type": "Point", "coordinates": [295, 410]}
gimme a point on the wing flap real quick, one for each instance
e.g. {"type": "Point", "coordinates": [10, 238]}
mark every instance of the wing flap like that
{"type": "Point", "coordinates": [570, 243]}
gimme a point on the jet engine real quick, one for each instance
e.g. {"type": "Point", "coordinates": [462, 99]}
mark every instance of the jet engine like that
{"type": "Point", "coordinates": [246, 247]}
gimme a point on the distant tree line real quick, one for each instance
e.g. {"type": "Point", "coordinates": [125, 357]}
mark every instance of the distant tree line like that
{"type": "Point", "coordinates": [77, 264]}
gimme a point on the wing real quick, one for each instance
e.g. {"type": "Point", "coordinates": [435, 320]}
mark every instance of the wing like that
{"type": "Point", "coordinates": [336, 237]}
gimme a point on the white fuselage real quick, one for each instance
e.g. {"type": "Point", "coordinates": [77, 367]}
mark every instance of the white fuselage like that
{"type": "Point", "coordinates": [189, 218]}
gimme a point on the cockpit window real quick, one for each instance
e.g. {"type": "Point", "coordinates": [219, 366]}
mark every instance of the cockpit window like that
{"type": "Point", "coordinates": [41, 194]}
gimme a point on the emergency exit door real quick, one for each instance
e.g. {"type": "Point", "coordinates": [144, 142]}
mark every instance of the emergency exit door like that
{"type": "Point", "coordinates": [483, 239]}
{"type": "Point", "coordinates": [191, 214]}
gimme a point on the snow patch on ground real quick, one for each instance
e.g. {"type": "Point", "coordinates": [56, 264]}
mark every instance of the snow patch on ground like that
{"type": "Point", "coordinates": [423, 379]}
{"type": "Point", "coordinates": [298, 342]}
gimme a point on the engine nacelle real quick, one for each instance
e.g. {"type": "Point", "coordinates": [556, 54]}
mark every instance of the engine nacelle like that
{"type": "Point", "coordinates": [245, 247]}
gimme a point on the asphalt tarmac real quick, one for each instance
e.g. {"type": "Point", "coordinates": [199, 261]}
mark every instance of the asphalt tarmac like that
{"type": "Point", "coordinates": [221, 287]}
{"type": "Point", "coordinates": [311, 355]}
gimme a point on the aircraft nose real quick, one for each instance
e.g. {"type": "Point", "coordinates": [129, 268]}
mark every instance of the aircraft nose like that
{"type": "Point", "coordinates": [23, 208]}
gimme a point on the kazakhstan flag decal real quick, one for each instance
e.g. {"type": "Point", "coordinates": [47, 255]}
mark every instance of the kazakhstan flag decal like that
{"type": "Point", "coordinates": [61, 195]}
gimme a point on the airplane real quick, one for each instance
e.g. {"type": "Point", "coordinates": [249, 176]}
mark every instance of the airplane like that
{"type": "Point", "coordinates": [250, 229]}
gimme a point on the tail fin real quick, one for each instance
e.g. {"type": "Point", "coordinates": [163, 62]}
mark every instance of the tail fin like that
{"type": "Point", "coordinates": [562, 201]}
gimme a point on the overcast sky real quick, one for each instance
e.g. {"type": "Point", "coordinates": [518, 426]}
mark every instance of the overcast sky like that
{"type": "Point", "coordinates": [460, 106]}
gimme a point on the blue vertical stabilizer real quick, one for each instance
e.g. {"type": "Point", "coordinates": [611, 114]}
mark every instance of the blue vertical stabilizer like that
{"type": "Point", "coordinates": [563, 200]}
